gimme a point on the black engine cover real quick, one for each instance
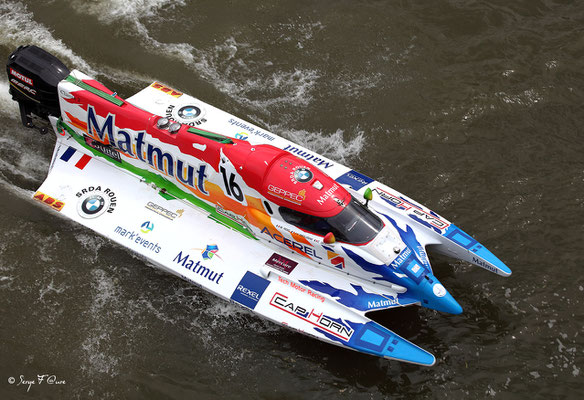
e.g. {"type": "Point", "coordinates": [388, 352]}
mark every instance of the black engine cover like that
{"type": "Point", "coordinates": [34, 75]}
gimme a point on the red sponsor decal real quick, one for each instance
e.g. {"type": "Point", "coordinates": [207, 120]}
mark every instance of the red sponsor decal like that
{"type": "Point", "coordinates": [50, 201]}
{"type": "Point", "coordinates": [281, 263]}
{"type": "Point", "coordinates": [336, 260]}
{"type": "Point", "coordinates": [23, 78]}
{"type": "Point", "coordinates": [166, 89]}
{"type": "Point", "coordinates": [284, 194]}
{"type": "Point", "coordinates": [301, 289]}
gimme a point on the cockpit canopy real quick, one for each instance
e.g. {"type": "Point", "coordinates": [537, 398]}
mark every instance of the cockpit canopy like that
{"type": "Point", "coordinates": [355, 224]}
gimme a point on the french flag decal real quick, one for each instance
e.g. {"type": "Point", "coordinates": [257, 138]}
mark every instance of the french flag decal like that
{"type": "Point", "coordinates": [80, 158]}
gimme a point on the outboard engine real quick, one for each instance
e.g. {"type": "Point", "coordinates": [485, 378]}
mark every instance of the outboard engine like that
{"type": "Point", "coordinates": [34, 75]}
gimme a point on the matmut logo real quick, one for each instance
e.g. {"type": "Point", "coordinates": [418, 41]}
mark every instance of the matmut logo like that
{"type": "Point", "coordinates": [136, 145]}
{"type": "Point", "coordinates": [23, 78]}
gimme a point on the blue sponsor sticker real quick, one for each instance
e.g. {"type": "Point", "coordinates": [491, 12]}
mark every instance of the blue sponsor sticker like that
{"type": "Point", "coordinates": [460, 238]}
{"type": "Point", "coordinates": [250, 289]}
{"type": "Point", "coordinates": [354, 179]}
{"type": "Point", "coordinates": [372, 338]}
{"type": "Point", "coordinates": [415, 269]}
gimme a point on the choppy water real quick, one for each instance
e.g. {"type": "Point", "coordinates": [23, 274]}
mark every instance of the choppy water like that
{"type": "Point", "coordinates": [474, 108]}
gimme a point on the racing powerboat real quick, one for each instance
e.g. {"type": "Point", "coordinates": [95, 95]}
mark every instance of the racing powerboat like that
{"type": "Point", "coordinates": [249, 216]}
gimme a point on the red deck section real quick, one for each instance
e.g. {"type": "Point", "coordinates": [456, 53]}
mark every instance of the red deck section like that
{"type": "Point", "coordinates": [277, 174]}
{"type": "Point", "coordinates": [287, 180]}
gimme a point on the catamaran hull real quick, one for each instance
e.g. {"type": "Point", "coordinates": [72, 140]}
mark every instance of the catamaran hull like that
{"type": "Point", "coordinates": [238, 210]}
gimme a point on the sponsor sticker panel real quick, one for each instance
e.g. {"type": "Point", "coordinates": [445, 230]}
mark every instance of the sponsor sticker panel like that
{"type": "Point", "coordinates": [94, 201]}
{"type": "Point", "coordinates": [137, 236]}
{"type": "Point", "coordinates": [281, 263]}
{"type": "Point", "coordinates": [164, 212]}
{"type": "Point", "coordinates": [49, 201]}
{"type": "Point", "coordinates": [163, 88]}
{"type": "Point", "coordinates": [196, 268]}
{"type": "Point", "coordinates": [250, 289]}
{"type": "Point", "coordinates": [426, 217]}
{"type": "Point", "coordinates": [104, 149]}
{"type": "Point", "coordinates": [315, 317]}
{"type": "Point", "coordinates": [354, 179]}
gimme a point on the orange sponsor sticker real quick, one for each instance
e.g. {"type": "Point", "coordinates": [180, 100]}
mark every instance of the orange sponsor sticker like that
{"type": "Point", "coordinates": [48, 200]}
{"type": "Point", "coordinates": [166, 89]}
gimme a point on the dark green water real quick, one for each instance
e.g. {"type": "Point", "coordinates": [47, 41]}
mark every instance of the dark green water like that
{"type": "Point", "coordinates": [474, 108]}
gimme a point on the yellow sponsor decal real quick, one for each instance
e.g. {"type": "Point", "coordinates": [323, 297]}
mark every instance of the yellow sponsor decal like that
{"type": "Point", "coordinates": [48, 200]}
{"type": "Point", "coordinates": [166, 89]}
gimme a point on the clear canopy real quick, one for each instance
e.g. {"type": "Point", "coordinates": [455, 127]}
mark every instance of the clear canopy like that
{"type": "Point", "coordinates": [355, 224]}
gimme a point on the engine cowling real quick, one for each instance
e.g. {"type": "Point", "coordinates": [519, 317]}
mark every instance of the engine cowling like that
{"type": "Point", "coordinates": [34, 75]}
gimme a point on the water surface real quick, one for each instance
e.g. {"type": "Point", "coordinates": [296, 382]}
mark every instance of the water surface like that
{"type": "Point", "coordinates": [472, 108]}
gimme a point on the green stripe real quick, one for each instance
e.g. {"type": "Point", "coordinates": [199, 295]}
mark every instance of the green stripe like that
{"type": "Point", "coordinates": [210, 135]}
{"type": "Point", "coordinates": [163, 183]}
{"type": "Point", "coordinates": [95, 91]}
{"type": "Point", "coordinates": [165, 195]}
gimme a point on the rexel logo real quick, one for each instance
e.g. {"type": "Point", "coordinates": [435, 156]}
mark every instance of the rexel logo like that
{"type": "Point", "coordinates": [250, 289]}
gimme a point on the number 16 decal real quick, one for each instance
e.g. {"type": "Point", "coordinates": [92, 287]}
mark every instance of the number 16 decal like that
{"type": "Point", "coordinates": [232, 188]}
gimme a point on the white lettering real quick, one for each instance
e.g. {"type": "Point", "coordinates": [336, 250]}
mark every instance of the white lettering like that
{"type": "Point", "coordinates": [21, 77]}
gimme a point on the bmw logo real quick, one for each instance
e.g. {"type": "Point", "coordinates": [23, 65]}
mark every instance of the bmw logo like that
{"type": "Point", "coordinates": [92, 205]}
{"type": "Point", "coordinates": [93, 202]}
{"type": "Point", "coordinates": [189, 112]}
{"type": "Point", "coordinates": [303, 175]}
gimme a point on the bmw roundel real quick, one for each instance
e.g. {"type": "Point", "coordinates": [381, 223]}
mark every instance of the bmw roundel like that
{"type": "Point", "coordinates": [189, 112]}
{"type": "Point", "coordinates": [303, 175]}
{"type": "Point", "coordinates": [93, 202]}
{"type": "Point", "coordinates": [92, 205]}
